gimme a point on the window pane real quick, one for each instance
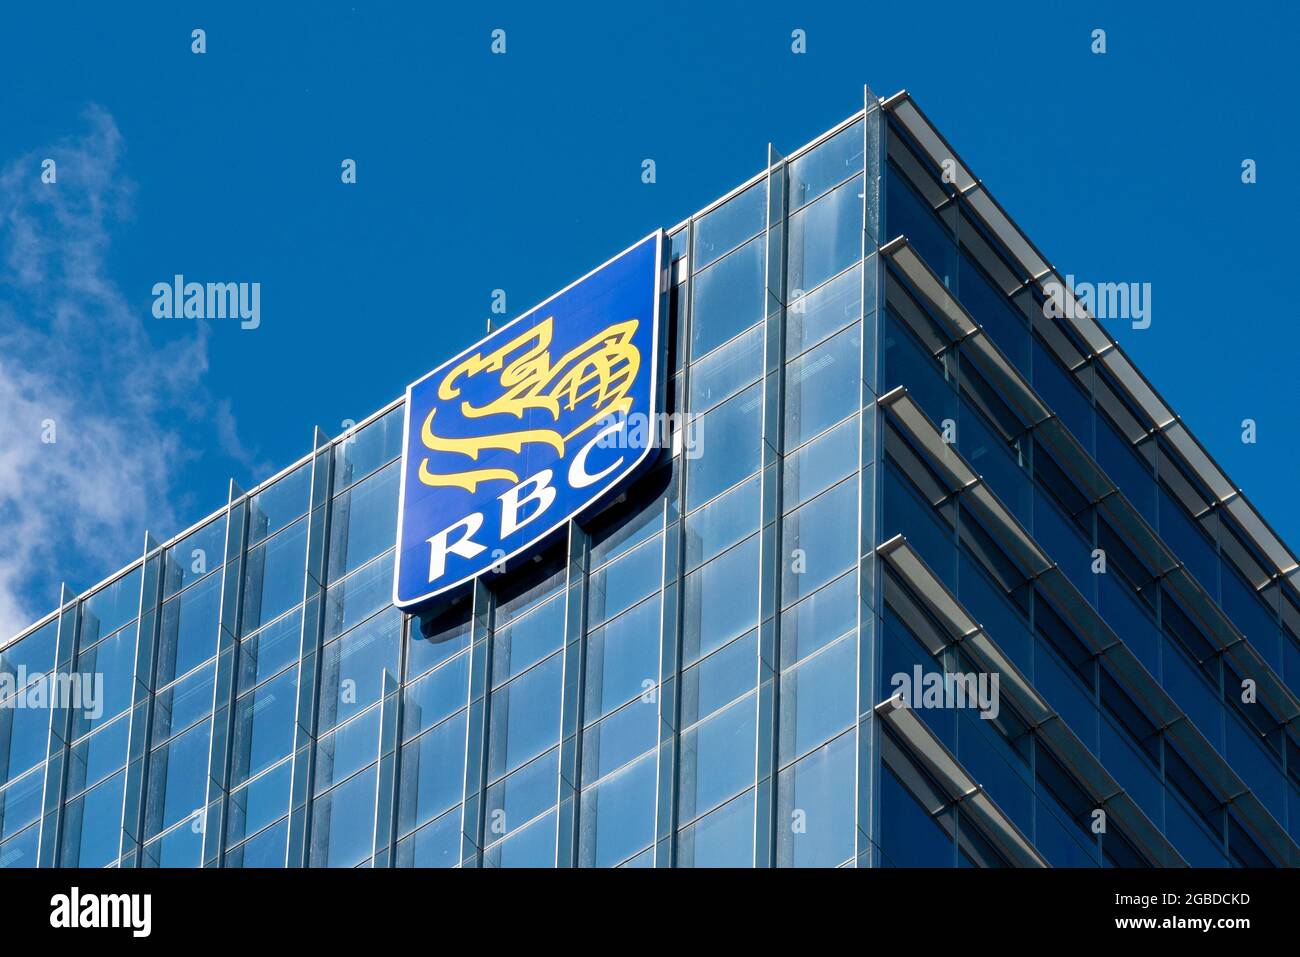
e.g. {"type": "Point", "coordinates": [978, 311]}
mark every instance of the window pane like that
{"type": "Point", "coordinates": [268, 849]}
{"type": "Point", "coordinates": [729, 442]}
{"type": "Point", "coordinates": [270, 651]}
{"type": "Point", "coordinates": [353, 668]}
{"type": "Point", "coordinates": [825, 237]}
{"type": "Point", "coordinates": [428, 700]}
{"type": "Point", "coordinates": [368, 448]}
{"type": "Point", "coordinates": [273, 576]}
{"type": "Point", "coordinates": [727, 298]}
{"type": "Point", "coordinates": [181, 847]}
{"type": "Point", "coordinates": [522, 795]}
{"type": "Point", "coordinates": [346, 750]}
{"type": "Point", "coordinates": [723, 522]}
{"type": "Point", "coordinates": [200, 552]}
{"type": "Point", "coordinates": [910, 837]}
{"type": "Point", "coordinates": [708, 623]}
{"type": "Point", "coordinates": [818, 699]}
{"type": "Point", "coordinates": [437, 844]}
{"type": "Point", "coordinates": [823, 311]}
{"type": "Point", "coordinates": [718, 758]}
{"type": "Point", "coordinates": [527, 640]}
{"type": "Point", "coordinates": [622, 659]}
{"type": "Point", "coordinates": [111, 607]}
{"type": "Point", "coordinates": [188, 633]}
{"type": "Point", "coordinates": [723, 229]}
{"type": "Point", "coordinates": [619, 738]}
{"type": "Point", "coordinates": [24, 732]}
{"type": "Point", "coordinates": [343, 823]}
{"type": "Point", "coordinates": [261, 802]}
{"type": "Point", "coordinates": [525, 717]}
{"type": "Point", "coordinates": [624, 581]}
{"type": "Point", "coordinates": [113, 659]}
{"type": "Point", "coordinates": [264, 726]}
{"type": "Point", "coordinates": [363, 523]}
{"type": "Point", "coordinates": [726, 370]}
{"type": "Point", "coordinates": [24, 660]}
{"type": "Point", "coordinates": [723, 839]}
{"type": "Point", "coordinates": [820, 541]}
{"type": "Point", "coordinates": [184, 703]}
{"type": "Point", "coordinates": [815, 807]}
{"type": "Point", "coordinates": [533, 846]}
{"type": "Point", "coordinates": [820, 464]}
{"type": "Point", "coordinates": [279, 504]}
{"type": "Point", "coordinates": [21, 850]}
{"type": "Point", "coordinates": [433, 774]}
{"type": "Point", "coordinates": [819, 619]}
{"type": "Point", "coordinates": [359, 596]}
{"type": "Point", "coordinates": [20, 804]}
{"type": "Point", "coordinates": [92, 830]}
{"type": "Point", "coordinates": [822, 387]}
{"type": "Point", "coordinates": [178, 780]}
{"type": "Point", "coordinates": [617, 816]}
{"type": "Point", "coordinates": [720, 678]}
{"type": "Point", "coordinates": [826, 165]}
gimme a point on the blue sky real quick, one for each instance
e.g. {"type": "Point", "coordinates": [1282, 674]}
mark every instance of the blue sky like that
{"type": "Point", "coordinates": [521, 172]}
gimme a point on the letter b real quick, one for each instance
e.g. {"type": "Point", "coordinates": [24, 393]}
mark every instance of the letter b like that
{"type": "Point", "coordinates": [512, 504]}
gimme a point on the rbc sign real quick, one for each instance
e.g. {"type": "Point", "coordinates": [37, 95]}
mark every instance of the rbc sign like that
{"type": "Point", "coordinates": [513, 437]}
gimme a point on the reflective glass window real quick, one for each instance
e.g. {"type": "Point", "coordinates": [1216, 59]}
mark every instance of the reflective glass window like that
{"type": "Point", "coordinates": [278, 504]}
{"type": "Point", "coordinates": [727, 297]}
{"type": "Point", "coordinates": [825, 237]}
{"type": "Point", "coordinates": [822, 387]}
{"type": "Point", "coordinates": [729, 438]}
{"type": "Point", "coordinates": [722, 229]}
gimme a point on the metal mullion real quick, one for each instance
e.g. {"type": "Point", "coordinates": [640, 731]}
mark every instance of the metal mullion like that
{"type": "Point", "coordinates": [870, 447]}
{"type": "Point", "coordinates": [313, 619]}
{"type": "Point", "coordinates": [386, 780]}
{"type": "Point", "coordinates": [142, 703]}
{"type": "Point", "coordinates": [48, 851]}
{"type": "Point", "coordinates": [225, 678]}
{"type": "Point", "coordinates": [571, 703]}
{"type": "Point", "coordinates": [668, 693]}
{"type": "Point", "coordinates": [771, 559]}
{"type": "Point", "coordinates": [476, 730]}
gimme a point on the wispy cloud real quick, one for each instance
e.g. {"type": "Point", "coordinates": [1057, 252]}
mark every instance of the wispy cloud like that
{"type": "Point", "coordinates": [77, 364]}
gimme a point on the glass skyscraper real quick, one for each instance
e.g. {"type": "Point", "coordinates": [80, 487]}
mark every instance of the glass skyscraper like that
{"type": "Point", "coordinates": [902, 471]}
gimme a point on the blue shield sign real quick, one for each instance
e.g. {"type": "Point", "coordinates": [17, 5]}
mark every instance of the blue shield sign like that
{"type": "Point", "coordinates": [522, 431]}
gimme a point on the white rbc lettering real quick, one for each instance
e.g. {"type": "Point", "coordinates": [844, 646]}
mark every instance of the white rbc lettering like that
{"type": "Point", "coordinates": [512, 504]}
{"type": "Point", "coordinates": [579, 477]}
{"type": "Point", "coordinates": [463, 546]}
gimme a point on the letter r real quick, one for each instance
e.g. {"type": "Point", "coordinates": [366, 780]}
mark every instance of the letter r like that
{"type": "Point", "coordinates": [439, 548]}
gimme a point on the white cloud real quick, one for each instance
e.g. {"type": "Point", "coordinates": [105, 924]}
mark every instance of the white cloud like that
{"type": "Point", "coordinates": [75, 351]}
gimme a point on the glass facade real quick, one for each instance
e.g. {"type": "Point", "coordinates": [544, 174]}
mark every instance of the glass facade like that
{"type": "Point", "coordinates": [902, 483]}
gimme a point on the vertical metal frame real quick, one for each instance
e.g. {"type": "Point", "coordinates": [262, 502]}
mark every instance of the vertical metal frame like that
{"type": "Point", "coordinates": [135, 790]}
{"type": "Point", "coordinates": [390, 724]}
{"type": "Point", "coordinates": [668, 759]}
{"type": "Point", "coordinates": [869, 653]}
{"type": "Point", "coordinates": [56, 754]}
{"type": "Point", "coordinates": [571, 703]}
{"type": "Point", "coordinates": [225, 684]}
{"type": "Point", "coordinates": [476, 734]}
{"type": "Point", "coordinates": [771, 559]}
{"type": "Point", "coordinates": [313, 620]}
